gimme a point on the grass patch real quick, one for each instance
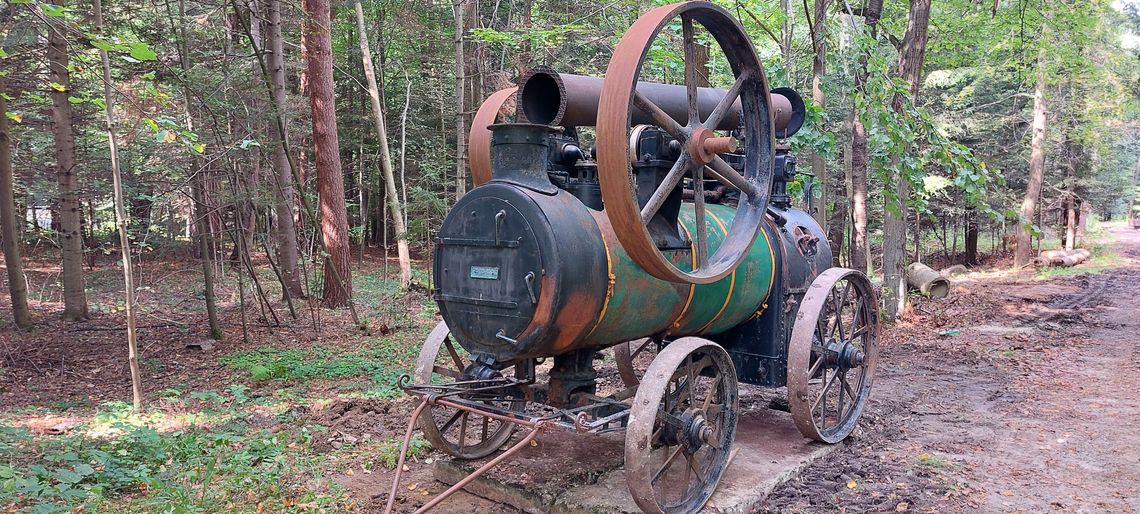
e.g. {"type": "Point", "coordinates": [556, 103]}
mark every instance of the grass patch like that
{"type": "Point", "coordinates": [135, 468]}
{"type": "Point", "coordinates": [381, 363]}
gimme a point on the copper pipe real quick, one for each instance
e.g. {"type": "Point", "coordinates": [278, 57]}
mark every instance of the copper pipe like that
{"type": "Point", "coordinates": [534, 431]}
{"type": "Point", "coordinates": [404, 454]}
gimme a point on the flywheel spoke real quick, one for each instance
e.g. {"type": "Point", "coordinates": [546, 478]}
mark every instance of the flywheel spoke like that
{"type": "Point", "coordinates": [727, 102]}
{"type": "Point", "coordinates": [701, 245]}
{"type": "Point", "coordinates": [660, 117]}
{"type": "Point", "coordinates": [690, 69]}
{"type": "Point", "coordinates": [676, 173]}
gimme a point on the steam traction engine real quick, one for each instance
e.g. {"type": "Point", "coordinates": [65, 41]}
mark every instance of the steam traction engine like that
{"type": "Point", "coordinates": [674, 234]}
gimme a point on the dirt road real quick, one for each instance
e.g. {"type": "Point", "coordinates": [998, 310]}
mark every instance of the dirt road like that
{"type": "Point", "coordinates": [1033, 406]}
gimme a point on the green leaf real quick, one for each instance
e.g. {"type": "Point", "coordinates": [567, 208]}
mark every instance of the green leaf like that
{"type": "Point", "coordinates": [199, 148]}
{"type": "Point", "coordinates": [142, 52]}
{"type": "Point", "coordinates": [74, 100]}
{"type": "Point", "coordinates": [3, 54]}
{"type": "Point", "coordinates": [247, 143]}
{"type": "Point", "coordinates": [57, 86]}
{"type": "Point", "coordinates": [101, 44]}
{"type": "Point", "coordinates": [54, 10]}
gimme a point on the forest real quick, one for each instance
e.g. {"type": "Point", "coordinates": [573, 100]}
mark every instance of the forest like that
{"type": "Point", "coordinates": [218, 217]}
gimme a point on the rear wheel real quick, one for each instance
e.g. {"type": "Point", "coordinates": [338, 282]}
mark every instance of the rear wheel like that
{"type": "Point", "coordinates": [832, 355]}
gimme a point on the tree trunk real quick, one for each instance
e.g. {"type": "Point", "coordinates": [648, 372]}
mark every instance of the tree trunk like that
{"type": "Point", "coordinates": [326, 153]}
{"type": "Point", "coordinates": [9, 228]}
{"type": "Point", "coordinates": [459, 8]}
{"type": "Point", "coordinates": [1071, 223]}
{"type": "Point", "coordinates": [818, 70]}
{"type": "Point", "coordinates": [121, 219]}
{"type": "Point", "coordinates": [860, 253]}
{"type": "Point", "coordinates": [1023, 254]}
{"type": "Point", "coordinates": [971, 237]}
{"type": "Point", "coordinates": [286, 229]}
{"type": "Point", "coordinates": [70, 219]}
{"type": "Point", "coordinates": [394, 209]}
{"type": "Point", "coordinates": [196, 181]}
{"type": "Point", "coordinates": [911, 58]}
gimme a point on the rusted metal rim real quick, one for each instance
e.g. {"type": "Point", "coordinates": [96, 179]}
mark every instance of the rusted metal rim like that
{"type": "Point", "coordinates": [842, 350]}
{"type": "Point", "coordinates": [615, 108]}
{"type": "Point", "coordinates": [488, 441]}
{"type": "Point", "coordinates": [479, 137]}
{"type": "Point", "coordinates": [626, 354]}
{"type": "Point", "coordinates": [692, 426]}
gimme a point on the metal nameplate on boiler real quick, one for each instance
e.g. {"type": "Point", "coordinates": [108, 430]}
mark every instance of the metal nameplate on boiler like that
{"type": "Point", "coordinates": [485, 272]}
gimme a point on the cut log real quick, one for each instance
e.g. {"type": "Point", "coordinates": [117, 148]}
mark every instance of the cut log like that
{"type": "Point", "coordinates": [954, 271]}
{"type": "Point", "coordinates": [1062, 257]}
{"type": "Point", "coordinates": [927, 281]}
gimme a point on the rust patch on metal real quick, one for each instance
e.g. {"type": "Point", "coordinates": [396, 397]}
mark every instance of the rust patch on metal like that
{"type": "Point", "coordinates": [479, 136]}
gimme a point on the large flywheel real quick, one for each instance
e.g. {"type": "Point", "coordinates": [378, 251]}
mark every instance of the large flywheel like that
{"type": "Point", "coordinates": [700, 127]}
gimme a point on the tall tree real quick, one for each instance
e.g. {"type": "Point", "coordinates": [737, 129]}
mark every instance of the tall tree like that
{"type": "Point", "coordinates": [286, 229]}
{"type": "Point", "coordinates": [394, 209]}
{"type": "Point", "coordinates": [459, 10]}
{"type": "Point", "coordinates": [860, 253]}
{"type": "Point", "coordinates": [70, 219]}
{"type": "Point", "coordinates": [120, 218]}
{"type": "Point", "coordinates": [197, 181]}
{"type": "Point", "coordinates": [911, 57]}
{"type": "Point", "coordinates": [17, 286]}
{"type": "Point", "coordinates": [326, 153]}
{"type": "Point", "coordinates": [1023, 255]}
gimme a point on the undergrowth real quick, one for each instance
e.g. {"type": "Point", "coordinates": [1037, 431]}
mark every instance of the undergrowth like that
{"type": "Point", "coordinates": [379, 363]}
{"type": "Point", "coordinates": [231, 467]}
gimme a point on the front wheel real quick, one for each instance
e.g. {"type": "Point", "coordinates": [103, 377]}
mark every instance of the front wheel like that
{"type": "Point", "coordinates": [681, 427]}
{"type": "Point", "coordinates": [459, 433]}
{"type": "Point", "coordinates": [832, 355]}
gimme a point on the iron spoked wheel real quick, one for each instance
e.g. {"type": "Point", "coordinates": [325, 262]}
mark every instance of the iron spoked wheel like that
{"type": "Point", "coordinates": [459, 433]}
{"type": "Point", "coordinates": [832, 355]}
{"type": "Point", "coordinates": [701, 135]}
{"type": "Point", "coordinates": [681, 427]}
{"type": "Point", "coordinates": [629, 354]}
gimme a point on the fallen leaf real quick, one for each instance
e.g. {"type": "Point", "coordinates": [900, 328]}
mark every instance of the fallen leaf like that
{"type": "Point", "coordinates": [902, 506]}
{"type": "Point", "coordinates": [851, 484]}
{"type": "Point", "coordinates": [1007, 492]}
{"type": "Point", "coordinates": [533, 442]}
{"type": "Point", "coordinates": [413, 487]}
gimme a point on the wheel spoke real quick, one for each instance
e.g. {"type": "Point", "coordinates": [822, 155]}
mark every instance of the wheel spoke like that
{"type": "Point", "coordinates": [660, 117]}
{"type": "Point", "coordinates": [454, 354]}
{"type": "Point", "coordinates": [726, 103]}
{"type": "Point", "coordinates": [815, 367]}
{"type": "Point", "coordinates": [860, 304]}
{"type": "Point", "coordinates": [676, 173]}
{"type": "Point", "coordinates": [730, 177]}
{"type": "Point", "coordinates": [447, 372]}
{"type": "Point", "coordinates": [463, 429]}
{"type": "Point", "coordinates": [847, 387]}
{"type": "Point", "coordinates": [709, 397]}
{"type": "Point", "coordinates": [667, 463]}
{"type": "Point", "coordinates": [690, 69]}
{"type": "Point", "coordinates": [451, 421]}
{"type": "Point", "coordinates": [641, 348]}
{"type": "Point", "coordinates": [701, 246]}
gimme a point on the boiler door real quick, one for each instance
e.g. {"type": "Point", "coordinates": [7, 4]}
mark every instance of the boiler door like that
{"type": "Point", "coordinates": [488, 270]}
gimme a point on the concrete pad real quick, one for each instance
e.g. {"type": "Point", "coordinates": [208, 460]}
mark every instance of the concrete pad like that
{"type": "Point", "coordinates": [569, 473]}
